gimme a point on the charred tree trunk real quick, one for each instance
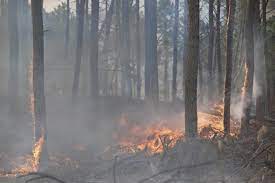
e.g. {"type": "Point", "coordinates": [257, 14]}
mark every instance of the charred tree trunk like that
{"type": "Point", "coordinates": [175, 51]}
{"type": "Point", "coordinates": [126, 78]}
{"type": "Point", "coordinates": [40, 130]}
{"type": "Point", "coordinates": [191, 118]}
{"type": "Point", "coordinates": [210, 50]}
{"type": "Point", "coordinates": [138, 54]}
{"type": "Point", "coordinates": [79, 45]}
{"type": "Point", "coordinates": [67, 33]}
{"type": "Point", "coordinates": [218, 49]}
{"type": "Point", "coordinates": [248, 90]}
{"type": "Point", "coordinates": [151, 65]}
{"type": "Point", "coordinates": [94, 50]}
{"type": "Point", "coordinates": [13, 54]}
{"type": "Point", "coordinates": [228, 75]}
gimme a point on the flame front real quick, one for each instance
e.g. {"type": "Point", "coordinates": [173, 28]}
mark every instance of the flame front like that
{"type": "Point", "coordinates": [156, 137]}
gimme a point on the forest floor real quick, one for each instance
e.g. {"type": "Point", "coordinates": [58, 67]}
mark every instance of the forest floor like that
{"type": "Point", "coordinates": [82, 149]}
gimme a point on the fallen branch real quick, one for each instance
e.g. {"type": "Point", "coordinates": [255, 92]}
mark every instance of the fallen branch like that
{"type": "Point", "coordinates": [177, 168]}
{"type": "Point", "coordinates": [40, 176]}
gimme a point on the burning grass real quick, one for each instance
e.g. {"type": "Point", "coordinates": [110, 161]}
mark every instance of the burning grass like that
{"type": "Point", "coordinates": [155, 137]}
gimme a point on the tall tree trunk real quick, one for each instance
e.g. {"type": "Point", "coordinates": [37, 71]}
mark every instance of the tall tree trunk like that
{"type": "Point", "coordinates": [3, 7]}
{"type": "Point", "coordinates": [138, 54]}
{"type": "Point", "coordinates": [166, 63]}
{"type": "Point", "coordinates": [264, 24]}
{"type": "Point", "coordinates": [126, 78]}
{"type": "Point", "coordinates": [13, 54]}
{"type": "Point", "coordinates": [228, 75]}
{"type": "Point", "coordinates": [79, 45]}
{"type": "Point", "coordinates": [108, 23]}
{"type": "Point", "coordinates": [175, 51]}
{"type": "Point", "coordinates": [185, 40]}
{"type": "Point", "coordinates": [218, 49]}
{"type": "Point", "coordinates": [210, 50]}
{"type": "Point", "coordinates": [248, 90]}
{"type": "Point", "coordinates": [118, 47]}
{"type": "Point", "coordinates": [259, 64]}
{"type": "Point", "coordinates": [67, 33]}
{"type": "Point", "coordinates": [94, 50]}
{"type": "Point", "coordinates": [151, 65]}
{"type": "Point", "coordinates": [40, 130]}
{"type": "Point", "coordinates": [191, 118]}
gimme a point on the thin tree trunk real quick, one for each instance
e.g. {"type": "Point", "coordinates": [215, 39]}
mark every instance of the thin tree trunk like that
{"type": "Point", "coordinates": [40, 130]}
{"type": "Point", "coordinates": [151, 65]}
{"type": "Point", "coordinates": [228, 75]}
{"type": "Point", "coordinates": [166, 62]}
{"type": "Point", "coordinates": [94, 50]}
{"type": "Point", "coordinates": [67, 33]}
{"type": "Point", "coordinates": [185, 39]}
{"type": "Point", "coordinates": [13, 54]}
{"type": "Point", "coordinates": [248, 90]}
{"type": "Point", "coordinates": [118, 47]}
{"type": "Point", "coordinates": [210, 50]}
{"type": "Point", "coordinates": [126, 87]}
{"type": "Point", "coordinates": [138, 54]}
{"type": "Point", "coordinates": [191, 118]}
{"type": "Point", "coordinates": [79, 45]}
{"type": "Point", "coordinates": [218, 48]}
{"type": "Point", "coordinates": [175, 51]}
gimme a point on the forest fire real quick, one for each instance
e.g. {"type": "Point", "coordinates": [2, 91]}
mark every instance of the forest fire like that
{"type": "Point", "coordinates": [156, 137]}
{"type": "Point", "coordinates": [245, 84]}
{"type": "Point", "coordinates": [37, 151]}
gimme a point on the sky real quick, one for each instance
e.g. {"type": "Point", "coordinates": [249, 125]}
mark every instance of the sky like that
{"type": "Point", "coordinates": [51, 4]}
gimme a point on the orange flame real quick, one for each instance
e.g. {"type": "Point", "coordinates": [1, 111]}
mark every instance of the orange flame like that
{"type": "Point", "coordinates": [157, 137]}
{"type": "Point", "coordinates": [245, 84]}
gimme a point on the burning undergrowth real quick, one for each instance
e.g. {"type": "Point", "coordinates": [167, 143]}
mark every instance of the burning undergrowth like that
{"type": "Point", "coordinates": [25, 164]}
{"type": "Point", "coordinates": [154, 137]}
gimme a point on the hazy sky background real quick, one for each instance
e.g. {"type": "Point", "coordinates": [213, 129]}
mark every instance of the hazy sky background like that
{"type": "Point", "coordinates": [51, 4]}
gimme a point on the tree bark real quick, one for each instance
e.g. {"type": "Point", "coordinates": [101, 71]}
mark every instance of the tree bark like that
{"type": "Point", "coordinates": [191, 118]}
{"type": "Point", "coordinates": [138, 54]}
{"type": "Point", "coordinates": [228, 75]}
{"type": "Point", "coordinates": [79, 45]}
{"type": "Point", "coordinates": [40, 130]}
{"type": "Point", "coordinates": [175, 51]}
{"type": "Point", "coordinates": [210, 50]}
{"type": "Point", "coordinates": [248, 90]}
{"type": "Point", "coordinates": [13, 54]}
{"type": "Point", "coordinates": [94, 50]}
{"type": "Point", "coordinates": [151, 65]}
